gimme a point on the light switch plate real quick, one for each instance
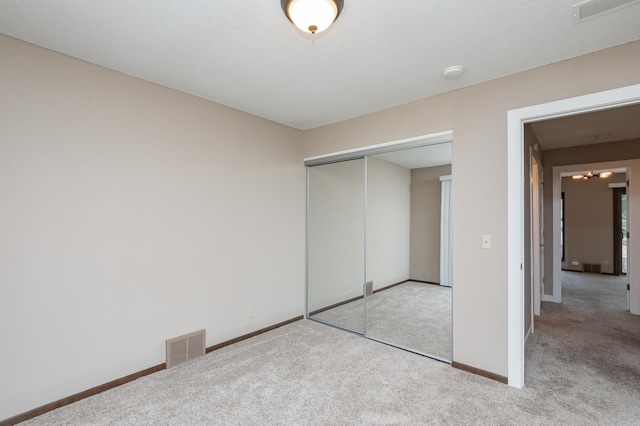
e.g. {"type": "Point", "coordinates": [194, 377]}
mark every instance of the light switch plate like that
{"type": "Point", "coordinates": [486, 241]}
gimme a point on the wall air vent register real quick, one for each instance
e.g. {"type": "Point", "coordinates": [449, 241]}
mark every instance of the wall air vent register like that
{"type": "Point", "coordinates": [184, 348]}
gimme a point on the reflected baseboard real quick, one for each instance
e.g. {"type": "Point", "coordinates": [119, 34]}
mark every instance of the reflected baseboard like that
{"type": "Point", "coordinates": [335, 305]}
{"type": "Point", "coordinates": [387, 287]}
{"type": "Point", "coordinates": [353, 299]}
{"type": "Point", "coordinates": [344, 302]}
{"type": "Point", "coordinates": [427, 282]}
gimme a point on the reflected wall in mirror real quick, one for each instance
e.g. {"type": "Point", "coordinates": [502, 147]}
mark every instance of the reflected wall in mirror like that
{"type": "Point", "coordinates": [335, 244]}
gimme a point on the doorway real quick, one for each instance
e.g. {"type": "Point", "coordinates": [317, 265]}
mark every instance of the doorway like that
{"type": "Point", "coordinates": [515, 253]}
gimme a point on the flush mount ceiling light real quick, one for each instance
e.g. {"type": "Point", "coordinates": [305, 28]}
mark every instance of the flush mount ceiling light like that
{"type": "Point", "coordinates": [590, 175]}
{"type": "Point", "coordinates": [312, 16]}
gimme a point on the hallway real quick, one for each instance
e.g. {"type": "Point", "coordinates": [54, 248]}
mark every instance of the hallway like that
{"type": "Point", "coordinates": [587, 348]}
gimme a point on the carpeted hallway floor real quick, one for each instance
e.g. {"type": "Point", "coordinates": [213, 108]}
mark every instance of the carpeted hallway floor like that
{"type": "Point", "coordinates": [583, 367]}
{"type": "Point", "coordinates": [588, 348]}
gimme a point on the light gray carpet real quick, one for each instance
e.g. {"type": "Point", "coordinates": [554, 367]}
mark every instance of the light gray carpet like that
{"type": "Point", "coordinates": [412, 315]}
{"type": "Point", "coordinates": [587, 350]}
{"type": "Point", "coordinates": [579, 371]}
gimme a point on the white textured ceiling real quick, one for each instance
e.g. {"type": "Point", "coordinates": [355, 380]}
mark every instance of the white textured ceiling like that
{"type": "Point", "coordinates": [610, 125]}
{"type": "Point", "coordinates": [424, 156]}
{"type": "Point", "coordinates": [379, 54]}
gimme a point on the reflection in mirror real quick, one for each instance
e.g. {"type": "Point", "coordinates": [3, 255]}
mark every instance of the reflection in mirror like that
{"type": "Point", "coordinates": [335, 244]}
{"type": "Point", "coordinates": [402, 199]}
{"type": "Point", "coordinates": [408, 308]}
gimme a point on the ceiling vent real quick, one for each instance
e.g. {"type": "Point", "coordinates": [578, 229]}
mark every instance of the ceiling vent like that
{"type": "Point", "coordinates": [592, 8]}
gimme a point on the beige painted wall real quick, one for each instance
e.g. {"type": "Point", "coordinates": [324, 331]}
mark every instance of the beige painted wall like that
{"type": "Point", "coordinates": [478, 117]}
{"type": "Point", "coordinates": [425, 222]}
{"type": "Point", "coordinates": [132, 213]}
{"type": "Point", "coordinates": [588, 223]}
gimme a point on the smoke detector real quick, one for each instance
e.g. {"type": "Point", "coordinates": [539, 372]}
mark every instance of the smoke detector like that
{"type": "Point", "coordinates": [453, 72]}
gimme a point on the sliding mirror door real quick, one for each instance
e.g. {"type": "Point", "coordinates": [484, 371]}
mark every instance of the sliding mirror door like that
{"type": "Point", "coordinates": [335, 244]}
{"type": "Point", "coordinates": [408, 209]}
{"type": "Point", "coordinates": [379, 247]}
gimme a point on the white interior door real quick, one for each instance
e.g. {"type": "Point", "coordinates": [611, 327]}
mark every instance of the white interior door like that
{"type": "Point", "coordinates": [536, 241]}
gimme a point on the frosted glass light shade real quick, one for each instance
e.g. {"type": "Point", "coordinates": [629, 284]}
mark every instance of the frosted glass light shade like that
{"type": "Point", "coordinates": [312, 16]}
{"type": "Point", "coordinates": [590, 175]}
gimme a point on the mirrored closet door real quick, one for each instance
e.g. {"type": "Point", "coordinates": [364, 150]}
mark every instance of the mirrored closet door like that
{"type": "Point", "coordinates": [377, 230]}
{"type": "Point", "coordinates": [336, 244]}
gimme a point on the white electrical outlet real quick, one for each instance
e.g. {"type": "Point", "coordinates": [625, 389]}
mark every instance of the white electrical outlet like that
{"type": "Point", "coordinates": [250, 312]}
{"type": "Point", "coordinates": [344, 286]}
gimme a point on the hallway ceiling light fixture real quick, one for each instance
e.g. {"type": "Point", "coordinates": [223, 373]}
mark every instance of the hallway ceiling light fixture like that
{"type": "Point", "coordinates": [590, 175]}
{"type": "Point", "coordinates": [312, 16]}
